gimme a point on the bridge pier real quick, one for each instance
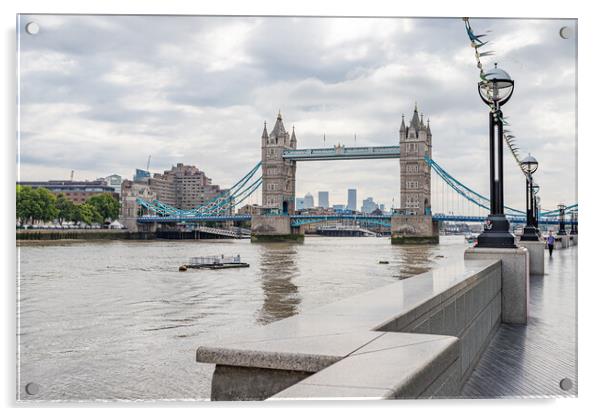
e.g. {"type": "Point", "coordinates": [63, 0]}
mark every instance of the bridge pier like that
{"type": "Point", "coordinates": [274, 228]}
{"type": "Point", "coordinates": [414, 229]}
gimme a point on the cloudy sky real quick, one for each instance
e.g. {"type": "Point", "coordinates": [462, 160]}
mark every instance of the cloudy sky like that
{"type": "Point", "coordinates": [98, 94]}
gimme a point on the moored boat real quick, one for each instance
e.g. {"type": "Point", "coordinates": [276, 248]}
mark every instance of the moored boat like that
{"type": "Point", "coordinates": [214, 262]}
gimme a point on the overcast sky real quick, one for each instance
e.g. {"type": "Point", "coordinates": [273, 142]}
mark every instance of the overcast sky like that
{"type": "Point", "coordinates": [99, 94]}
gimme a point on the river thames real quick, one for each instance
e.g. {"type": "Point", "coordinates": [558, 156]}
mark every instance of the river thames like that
{"type": "Point", "coordinates": [116, 320]}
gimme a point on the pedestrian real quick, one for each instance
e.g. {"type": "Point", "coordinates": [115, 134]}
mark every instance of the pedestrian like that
{"type": "Point", "coordinates": [550, 240]}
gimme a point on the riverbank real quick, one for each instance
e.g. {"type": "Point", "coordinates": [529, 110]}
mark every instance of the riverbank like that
{"type": "Point", "coordinates": [83, 234]}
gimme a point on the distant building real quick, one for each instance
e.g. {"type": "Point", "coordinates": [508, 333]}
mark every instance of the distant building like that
{"type": "Point", "coordinates": [323, 199]}
{"type": "Point", "coordinates": [250, 210]}
{"type": "Point", "coordinates": [76, 191]}
{"type": "Point", "coordinates": [141, 175]}
{"type": "Point", "coordinates": [184, 187]}
{"type": "Point", "coordinates": [299, 203]}
{"type": "Point", "coordinates": [368, 205]}
{"type": "Point", "coordinates": [308, 201]}
{"type": "Point", "coordinates": [113, 181]}
{"type": "Point", "coordinates": [338, 207]}
{"type": "Point", "coordinates": [352, 199]}
{"type": "Point", "coordinates": [130, 209]}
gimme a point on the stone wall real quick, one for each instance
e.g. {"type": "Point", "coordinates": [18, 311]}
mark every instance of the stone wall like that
{"type": "Point", "coordinates": [414, 229]}
{"type": "Point", "coordinates": [419, 337]}
{"type": "Point", "coordinates": [471, 313]}
{"type": "Point", "coordinates": [273, 228]}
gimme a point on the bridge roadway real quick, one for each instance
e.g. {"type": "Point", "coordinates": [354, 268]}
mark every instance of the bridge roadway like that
{"type": "Point", "coordinates": [298, 220]}
{"type": "Point", "coordinates": [531, 360]}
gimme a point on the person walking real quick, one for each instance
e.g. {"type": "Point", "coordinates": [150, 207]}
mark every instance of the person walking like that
{"type": "Point", "coordinates": [550, 241]}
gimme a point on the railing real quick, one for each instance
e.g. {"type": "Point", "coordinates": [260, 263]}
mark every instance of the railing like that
{"type": "Point", "coordinates": [300, 219]}
{"type": "Point", "coordinates": [342, 153]}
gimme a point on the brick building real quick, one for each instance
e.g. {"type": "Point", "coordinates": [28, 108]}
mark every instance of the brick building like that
{"type": "Point", "coordinates": [184, 187]}
{"type": "Point", "coordinates": [76, 191]}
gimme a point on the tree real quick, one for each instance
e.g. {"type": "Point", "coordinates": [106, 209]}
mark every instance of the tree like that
{"type": "Point", "coordinates": [26, 207]}
{"type": "Point", "coordinates": [66, 209]}
{"type": "Point", "coordinates": [47, 201]}
{"type": "Point", "coordinates": [106, 206]}
{"type": "Point", "coordinates": [87, 213]}
{"type": "Point", "coordinates": [35, 204]}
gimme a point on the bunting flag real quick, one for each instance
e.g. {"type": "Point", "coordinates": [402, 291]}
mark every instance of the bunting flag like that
{"type": "Point", "coordinates": [476, 42]}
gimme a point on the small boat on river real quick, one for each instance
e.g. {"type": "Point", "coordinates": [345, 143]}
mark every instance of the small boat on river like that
{"type": "Point", "coordinates": [214, 263]}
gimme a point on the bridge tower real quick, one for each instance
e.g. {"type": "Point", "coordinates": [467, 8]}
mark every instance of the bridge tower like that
{"type": "Point", "coordinates": [278, 187]}
{"type": "Point", "coordinates": [413, 222]}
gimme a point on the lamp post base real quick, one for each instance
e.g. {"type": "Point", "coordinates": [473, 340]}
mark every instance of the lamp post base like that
{"type": "Point", "coordinates": [496, 234]}
{"type": "Point", "coordinates": [530, 233]}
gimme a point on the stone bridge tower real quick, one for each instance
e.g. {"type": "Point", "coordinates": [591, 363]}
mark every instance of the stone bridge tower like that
{"type": "Point", "coordinates": [413, 223]}
{"type": "Point", "coordinates": [278, 188]}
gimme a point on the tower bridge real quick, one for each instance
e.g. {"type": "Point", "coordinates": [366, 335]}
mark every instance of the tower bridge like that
{"type": "Point", "coordinates": [279, 155]}
{"type": "Point", "coordinates": [414, 222]}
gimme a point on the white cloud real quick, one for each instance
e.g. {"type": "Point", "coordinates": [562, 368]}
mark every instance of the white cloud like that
{"type": "Point", "coordinates": [101, 93]}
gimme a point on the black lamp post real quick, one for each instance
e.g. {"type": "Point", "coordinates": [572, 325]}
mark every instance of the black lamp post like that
{"type": "Point", "coordinates": [537, 202]}
{"type": "Point", "coordinates": [561, 230]}
{"type": "Point", "coordinates": [573, 222]}
{"type": "Point", "coordinates": [495, 91]}
{"type": "Point", "coordinates": [530, 165]}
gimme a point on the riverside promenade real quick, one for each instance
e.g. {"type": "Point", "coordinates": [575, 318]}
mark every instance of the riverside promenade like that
{"type": "Point", "coordinates": [528, 360]}
{"type": "Point", "coordinates": [440, 334]}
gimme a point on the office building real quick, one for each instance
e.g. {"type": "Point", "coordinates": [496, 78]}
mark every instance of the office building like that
{"type": "Point", "coordinates": [352, 199]}
{"type": "Point", "coordinates": [308, 201]}
{"type": "Point", "coordinates": [323, 199]}
{"type": "Point", "coordinates": [113, 181]}
{"type": "Point", "coordinates": [141, 175]}
{"type": "Point", "coordinates": [368, 205]}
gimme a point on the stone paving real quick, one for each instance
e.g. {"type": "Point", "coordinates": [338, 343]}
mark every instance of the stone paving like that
{"type": "Point", "coordinates": [531, 360]}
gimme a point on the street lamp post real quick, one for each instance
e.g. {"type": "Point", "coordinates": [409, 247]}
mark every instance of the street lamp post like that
{"type": "Point", "coordinates": [530, 165]}
{"type": "Point", "coordinates": [561, 230]}
{"type": "Point", "coordinates": [573, 223]}
{"type": "Point", "coordinates": [537, 202]}
{"type": "Point", "coordinates": [495, 91]}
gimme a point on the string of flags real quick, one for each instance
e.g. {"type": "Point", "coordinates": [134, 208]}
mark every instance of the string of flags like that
{"type": "Point", "coordinates": [477, 43]}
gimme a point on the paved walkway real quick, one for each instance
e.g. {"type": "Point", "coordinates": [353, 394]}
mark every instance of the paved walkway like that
{"type": "Point", "coordinates": [531, 360]}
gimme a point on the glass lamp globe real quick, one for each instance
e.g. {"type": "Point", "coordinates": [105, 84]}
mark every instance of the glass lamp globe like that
{"type": "Point", "coordinates": [497, 86]}
{"type": "Point", "coordinates": [530, 164]}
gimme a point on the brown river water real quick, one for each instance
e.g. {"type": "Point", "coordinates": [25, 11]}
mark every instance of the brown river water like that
{"type": "Point", "coordinates": [116, 320]}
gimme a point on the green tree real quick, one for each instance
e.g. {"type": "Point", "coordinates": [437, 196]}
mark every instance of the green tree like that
{"type": "Point", "coordinates": [26, 208]}
{"type": "Point", "coordinates": [47, 201]}
{"type": "Point", "coordinates": [66, 209]}
{"type": "Point", "coordinates": [35, 204]}
{"type": "Point", "coordinates": [87, 213]}
{"type": "Point", "coordinates": [106, 205]}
